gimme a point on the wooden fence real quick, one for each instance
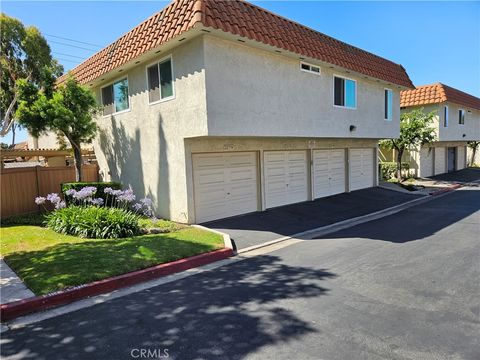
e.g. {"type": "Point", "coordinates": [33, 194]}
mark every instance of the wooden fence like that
{"type": "Point", "coordinates": [20, 186]}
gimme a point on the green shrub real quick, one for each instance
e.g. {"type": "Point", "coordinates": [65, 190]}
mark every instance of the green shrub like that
{"type": "Point", "coordinates": [388, 169]}
{"type": "Point", "coordinates": [94, 222]}
{"type": "Point", "coordinates": [77, 186]}
{"type": "Point", "coordinates": [27, 219]}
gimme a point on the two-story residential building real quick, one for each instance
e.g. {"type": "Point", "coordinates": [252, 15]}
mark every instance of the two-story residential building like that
{"type": "Point", "coordinates": [219, 108]}
{"type": "Point", "coordinates": [457, 121]}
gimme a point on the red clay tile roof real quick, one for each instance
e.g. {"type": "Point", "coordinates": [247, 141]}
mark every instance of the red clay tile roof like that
{"type": "Point", "coordinates": [242, 19]}
{"type": "Point", "coordinates": [435, 94]}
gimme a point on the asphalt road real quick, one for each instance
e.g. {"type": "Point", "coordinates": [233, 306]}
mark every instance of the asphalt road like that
{"type": "Point", "coordinates": [402, 287]}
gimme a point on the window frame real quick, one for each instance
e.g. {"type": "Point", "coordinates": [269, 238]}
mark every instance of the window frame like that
{"type": "Point", "coordinates": [460, 113]}
{"type": "Point", "coordinates": [391, 92]}
{"type": "Point", "coordinates": [345, 92]}
{"type": "Point", "coordinates": [158, 62]}
{"type": "Point", "coordinates": [111, 83]}
{"type": "Point", "coordinates": [310, 71]}
{"type": "Point", "coordinates": [445, 116]}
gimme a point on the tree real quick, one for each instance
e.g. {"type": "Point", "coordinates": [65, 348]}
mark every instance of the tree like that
{"type": "Point", "coordinates": [474, 146]}
{"type": "Point", "coordinates": [24, 54]}
{"type": "Point", "coordinates": [68, 111]}
{"type": "Point", "coordinates": [415, 131]}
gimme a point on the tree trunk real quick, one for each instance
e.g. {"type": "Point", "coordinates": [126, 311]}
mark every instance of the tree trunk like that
{"type": "Point", "coordinates": [77, 157]}
{"type": "Point", "coordinates": [399, 164]}
{"type": "Point", "coordinates": [13, 134]}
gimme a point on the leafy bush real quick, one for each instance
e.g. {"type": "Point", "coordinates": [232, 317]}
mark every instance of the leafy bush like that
{"type": "Point", "coordinates": [100, 193]}
{"type": "Point", "coordinates": [28, 219]}
{"type": "Point", "coordinates": [388, 169]}
{"type": "Point", "coordinates": [94, 222]}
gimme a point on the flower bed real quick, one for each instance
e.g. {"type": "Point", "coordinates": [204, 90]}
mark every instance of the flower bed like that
{"type": "Point", "coordinates": [110, 215]}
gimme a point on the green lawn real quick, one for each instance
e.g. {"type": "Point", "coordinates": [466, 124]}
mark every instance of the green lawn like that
{"type": "Point", "coordinates": [47, 261]}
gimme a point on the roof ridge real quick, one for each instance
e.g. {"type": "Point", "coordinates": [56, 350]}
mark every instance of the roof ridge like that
{"type": "Point", "coordinates": [309, 28]}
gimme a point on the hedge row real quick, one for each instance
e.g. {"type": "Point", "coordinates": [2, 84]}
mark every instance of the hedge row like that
{"type": "Point", "coordinates": [388, 170]}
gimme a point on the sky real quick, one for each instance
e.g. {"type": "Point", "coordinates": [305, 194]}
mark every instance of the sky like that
{"type": "Point", "coordinates": [434, 41]}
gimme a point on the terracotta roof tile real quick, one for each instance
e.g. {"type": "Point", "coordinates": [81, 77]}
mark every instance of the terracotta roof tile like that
{"type": "Point", "coordinates": [242, 19]}
{"type": "Point", "coordinates": [436, 94]}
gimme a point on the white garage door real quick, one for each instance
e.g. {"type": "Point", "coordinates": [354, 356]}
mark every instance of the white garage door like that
{"type": "Point", "coordinates": [225, 184]}
{"type": "Point", "coordinates": [461, 157]}
{"type": "Point", "coordinates": [328, 172]}
{"type": "Point", "coordinates": [361, 168]}
{"type": "Point", "coordinates": [440, 161]}
{"type": "Point", "coordinates": [426, 162]}
{"type": "Point", "coordinates": [286, 177]}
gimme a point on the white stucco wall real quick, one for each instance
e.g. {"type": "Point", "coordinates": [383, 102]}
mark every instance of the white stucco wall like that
{"type": "Point", "coordinates": [143, 148]}
{"type": "Point", "coordinates": [253, 92]}
{"type": "Point", "coordinates": [454, 131]}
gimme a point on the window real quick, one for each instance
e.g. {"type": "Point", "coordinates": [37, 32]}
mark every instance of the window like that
{"type": "Point", "coordinates": [345, 92]}
{"type": "Point", "coordinates": [461, 117]}
{"type": "Point", "coordinates": [160, 81]}
{"type": "Point", "coordinates": [310, 68]}
{"type": "Point", "coordinates": [445, 116]}
{"type": "Point", "coordinates": [115, 97]}
{"type": "Point", "coordinates": [388, 111]}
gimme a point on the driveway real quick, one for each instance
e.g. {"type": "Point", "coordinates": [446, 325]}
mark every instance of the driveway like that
{"type": "Point", "coordinates": [461, 176]}
{"type": "Point", "coordinates": [260, 227]}
{"type": "Point", "coordinates": [402, 287]}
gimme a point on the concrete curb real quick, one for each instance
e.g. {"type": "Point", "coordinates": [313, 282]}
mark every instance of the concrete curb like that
{"type": "Point", "coordinates": [324, 230]}
{"type": "Point", "coordinates": [22, 307]}
{"type": "Point", "coordinates": [226, 237]}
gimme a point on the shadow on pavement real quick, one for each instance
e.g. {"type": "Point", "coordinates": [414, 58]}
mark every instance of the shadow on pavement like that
{"type": "Point", "coordinates": [424, 222]}
{"type": "Point", "coordinates": [260, 227]}
{"type": "Point", "coordinates": [461, 176]}
{"type": "Point", "coordinates": [194, 318]}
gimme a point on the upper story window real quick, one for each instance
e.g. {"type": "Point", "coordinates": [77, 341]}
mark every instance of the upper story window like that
{"type": "Point", "coordinates": [160, 81]}
{"type": "Point", "coordinates": [461, 117]}
{"type": "Point", "coordinates": [310, 68]}
{"type": "Point", "coordinates": [115, 97]}
{"type": "Point", "coordinates": [344, 92]}
{"type": "Point", "coordinates": [445, 116]}
{"type": "Point", "coordinates": [388, 107]}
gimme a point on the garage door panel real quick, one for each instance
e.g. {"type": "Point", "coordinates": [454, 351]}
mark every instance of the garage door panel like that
{"type": "Point", "coordinates": [461, 157]}
{"type": "Point", "coordinates": [329, 172]}
{"type": "Point", "coordinates": [440, 160]}
{"type": "Point", "coordinates": [286, 177]}
{"type": "Point", "coordinates": [426, 162]}
{"type": "Point", "coordinates": [361, 165]}
{"type": "Point", "coordinates": [225, 184]}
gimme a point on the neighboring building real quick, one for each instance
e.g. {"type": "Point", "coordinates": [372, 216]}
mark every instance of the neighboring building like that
{"type": "Point", "coordinates": [457, 121]}
{"type": "Point", "coordinates": [218, 108]}
{"type": "Point", "coordinates": [44, 141]}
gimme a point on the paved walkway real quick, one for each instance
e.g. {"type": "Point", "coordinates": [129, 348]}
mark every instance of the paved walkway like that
{"type": "Point", "coordinates": [260, 227]}
{"type": "Point", "coordinates": [11, 287]}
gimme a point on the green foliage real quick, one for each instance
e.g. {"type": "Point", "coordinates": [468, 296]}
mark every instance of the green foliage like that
{"type": "Point", "coordinates": [68, 112]}
{"type": "Point", "coordinates": [28, 219]}
{"type": "Point", "coordinates": [99, 185]}
{"type": "Point", "coordinates": [388, 169]}
{"type": "Point", "coordinates": [24, 54]}
{"type": "Point", "coordinates": [415, 129]}
{"type": "Point", "coordinates": [94, 222]}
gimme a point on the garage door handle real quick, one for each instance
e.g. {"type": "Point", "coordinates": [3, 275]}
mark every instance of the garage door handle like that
{"type": "Point", "coordinates": [228, 193]}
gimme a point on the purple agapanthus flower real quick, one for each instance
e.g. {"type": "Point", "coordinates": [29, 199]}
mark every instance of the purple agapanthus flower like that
{"type": "Point", "coordinates": [127, 196]}
{"type": "Point", "coordinates": [54, 198]}
{"type": "Point", "coordinates": [97, 201]}
{"type": "Point", "coordinates": [60, 205]}
{"type": "Point", "coordinates": [70, 192]}
{"type": "Point", "coordinates": [137, 206]}
{"type": "Point", "coordinates": [108, 190]}
{"type": "Point", "coordinates": [40, 200]}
